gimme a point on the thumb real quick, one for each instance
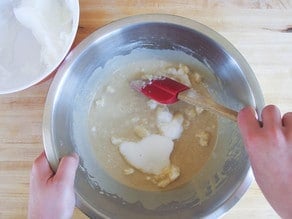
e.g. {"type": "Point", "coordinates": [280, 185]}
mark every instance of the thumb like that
{"type": "Point", "coordinates": [247, 122]}
{"type": "Point", "coordinates": [67, 169]}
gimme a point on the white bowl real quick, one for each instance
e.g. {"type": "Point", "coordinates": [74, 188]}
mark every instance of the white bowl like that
{"type": "Point", "coordinates": [35, 38]}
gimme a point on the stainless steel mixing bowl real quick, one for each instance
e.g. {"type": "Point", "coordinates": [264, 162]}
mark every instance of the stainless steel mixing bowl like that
{"type": "Point", "coordinates": [227, 174]}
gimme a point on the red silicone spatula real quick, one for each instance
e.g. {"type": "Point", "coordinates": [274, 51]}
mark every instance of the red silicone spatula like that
{"type": "Point", "coordinates": [167, 91]}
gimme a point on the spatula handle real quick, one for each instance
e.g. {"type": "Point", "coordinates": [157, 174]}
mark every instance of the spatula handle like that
{"type": "Point", "coordinates": [194, 98]}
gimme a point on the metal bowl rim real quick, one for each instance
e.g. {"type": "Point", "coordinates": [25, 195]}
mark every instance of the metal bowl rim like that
{"type": "Point", "coordinates": [64, 69]}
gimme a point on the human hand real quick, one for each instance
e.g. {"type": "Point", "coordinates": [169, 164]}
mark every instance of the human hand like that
{"type": "Point", "coordinates": [270, 151]}
{"type": "Point", "coordinates": [52, 194]}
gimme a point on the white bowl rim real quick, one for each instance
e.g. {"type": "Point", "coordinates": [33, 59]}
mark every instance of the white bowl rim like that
{"type": "Point", "coordinates": [43, 75]}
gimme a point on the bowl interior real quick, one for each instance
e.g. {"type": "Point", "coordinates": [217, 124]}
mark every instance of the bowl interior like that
{"type": "Point", "coordinates": [36, 39]}
{"type": "Point", "coordinates": [226, 175]}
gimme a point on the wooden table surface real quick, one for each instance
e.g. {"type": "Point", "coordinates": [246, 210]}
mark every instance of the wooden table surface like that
{"type": "Point", "coordinates": [261, 30]}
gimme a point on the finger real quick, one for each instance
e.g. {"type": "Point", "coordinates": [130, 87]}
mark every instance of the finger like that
{"type": "Point", "coordinates": [287, 119]}
{"type": "Point", "coordinates": [67, 169]}
{"type": "Point", "coordinates": [247, 122]}
{"type": "Point", "coordinates": [41, 168]}
{"type": "Point", "coordinates": [271, 117]}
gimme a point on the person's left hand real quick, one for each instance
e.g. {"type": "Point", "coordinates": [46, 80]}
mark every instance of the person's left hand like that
{"type": "Point", "coordinates": [52, 195]}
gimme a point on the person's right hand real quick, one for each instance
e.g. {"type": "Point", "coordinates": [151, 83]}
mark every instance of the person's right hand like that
{"type": "Point", "coordinates": [270, 151]}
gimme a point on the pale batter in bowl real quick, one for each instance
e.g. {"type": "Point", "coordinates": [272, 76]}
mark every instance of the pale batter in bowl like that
{"type": "Point", "coordinates": [143, 144]}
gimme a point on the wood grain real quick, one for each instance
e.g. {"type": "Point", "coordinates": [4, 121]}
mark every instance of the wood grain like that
{"type": "Point", "coordinates": [260, 30]}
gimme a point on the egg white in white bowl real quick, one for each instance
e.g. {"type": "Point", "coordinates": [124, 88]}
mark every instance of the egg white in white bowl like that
{"type": "Point", "coordinates": [35, 38]}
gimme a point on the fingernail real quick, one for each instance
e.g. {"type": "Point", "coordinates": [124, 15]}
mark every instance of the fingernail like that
{"type": "Point", "coordinates": [75, 155]}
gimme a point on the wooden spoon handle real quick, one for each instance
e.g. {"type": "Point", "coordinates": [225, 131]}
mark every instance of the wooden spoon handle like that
{"type": "Point", "coordinates": [194, 98]}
